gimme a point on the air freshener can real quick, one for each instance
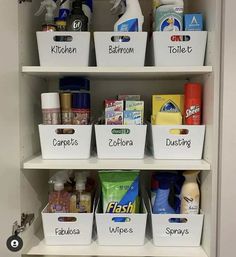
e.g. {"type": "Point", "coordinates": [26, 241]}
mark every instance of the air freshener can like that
{"type": "Point", "coordinates": [192, 103]}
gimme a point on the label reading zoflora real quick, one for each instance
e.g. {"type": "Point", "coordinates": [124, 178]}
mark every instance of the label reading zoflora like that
{"type": "Point", "coordinates": [178, 143]}
{"type": "Point", "coordinates": [120, 142]}
{"type": "Point", "coordinates": [66, 232]}
{"type": "Point", "coordinates": [120, 231]}
{"type": "Point", "coordinates": [63, 50]}
{"type": "Point", "coordinates": [176, 232]}
{"type": "Point", "coordinates": [65, 143]}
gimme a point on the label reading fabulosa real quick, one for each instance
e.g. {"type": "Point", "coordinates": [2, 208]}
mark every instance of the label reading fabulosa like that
{"type": "Point", "coordinates": [129, 26]}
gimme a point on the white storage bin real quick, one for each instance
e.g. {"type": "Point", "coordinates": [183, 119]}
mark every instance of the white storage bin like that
{"type": "Point", "coordinates": [120, 141]}
{"type": "Point", "coordinates": [77, 231]}
{"type": "Point", "coordinates": [65, 146]}
{"type": "Point", "coordinates": [167, 145]}
{"type": "Point", "coordinates": [131, 52]}
{"type": "Point", "coordinates": [111, 231]}
{"type": "Point", "coordinates": [170, 50]}
{"type": "Point", "coordinates": [74, 52]}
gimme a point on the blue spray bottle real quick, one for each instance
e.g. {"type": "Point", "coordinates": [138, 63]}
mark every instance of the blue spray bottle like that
{"type": "Point", "coordinates": [161, 204]}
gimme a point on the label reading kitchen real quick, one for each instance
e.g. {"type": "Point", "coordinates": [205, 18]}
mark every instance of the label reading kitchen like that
{"type": "Point", "coordinates": [63, 50]}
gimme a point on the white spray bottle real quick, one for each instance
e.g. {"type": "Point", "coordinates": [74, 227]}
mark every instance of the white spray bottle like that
{"type": "Point", "coordinates": [132, 20]}
{"type": "Point", "coordinates": [168, 15]}
{"type": "Point", "coordinates": [50, 6]}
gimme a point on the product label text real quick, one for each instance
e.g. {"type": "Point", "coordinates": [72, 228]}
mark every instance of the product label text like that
{"type": "Point", "coordinates": [181, 232]}
{"type": "Point", "coordinates": [120, 50]}
{"type": "Point", "coordinates": [180, 49]}
{"type": "Point", "coordinates": [63, 50]}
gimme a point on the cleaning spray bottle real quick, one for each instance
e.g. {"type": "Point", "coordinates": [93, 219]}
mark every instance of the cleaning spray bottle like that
{"type": "Point", "coordinates": [168, 15]}
{"type": "Point", "coordinates": [50, 7]}
{"type": "Point", "coordinates": [161, 204]}
{"type": "Point", "coordinates": [77, 21]}
{"type": "Point", "coordinates": [59, 199]}
{"type": "Point", "coordinates": [80, 201]}
{"type": "Point", "coordinates": [190, 193]}
{"type": "Point", "coordinates": [87, 7]}
{"type": "Point", "coordinates": [132, 20]}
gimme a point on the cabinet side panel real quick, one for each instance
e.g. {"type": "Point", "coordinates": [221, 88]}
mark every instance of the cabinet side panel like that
{"type": "Point", "coordinates": [9, 124]}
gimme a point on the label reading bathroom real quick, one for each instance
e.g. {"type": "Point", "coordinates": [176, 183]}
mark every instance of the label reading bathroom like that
{"type": "Point", "coordinates": [176, 232]}
{"type": "Point", "coordinates": [120, 50]}
{"type": "Point", "coordinates": [65, 143]}
{"type": "Point", "coordinates": [66, 232]}
{"type": "Point", "coordinates": [178, 143]}
{"type": "Point", "coordinates": [120, 231]}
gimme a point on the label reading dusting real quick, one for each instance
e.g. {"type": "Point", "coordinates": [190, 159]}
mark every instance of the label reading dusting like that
{"type": "Point", "coordinates": [178, 143]}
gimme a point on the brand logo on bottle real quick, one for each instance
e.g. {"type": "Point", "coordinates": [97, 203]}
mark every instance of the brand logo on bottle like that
{"type": "Point", "coordinates": [192, 110]}
{"type": "Point", "coordinates": [77, 25]}
{"type": "Point", "coordinates": [120, 131]}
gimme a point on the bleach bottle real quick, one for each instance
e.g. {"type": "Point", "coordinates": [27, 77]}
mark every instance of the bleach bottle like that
{"type": "Point", "coordinates": [132, 20]}
{"type": "Point", "coordinates": [168, 15]}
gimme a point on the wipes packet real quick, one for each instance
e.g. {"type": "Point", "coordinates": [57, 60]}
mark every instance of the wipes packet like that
{"type": "Point", "coordinates": [120, 191]}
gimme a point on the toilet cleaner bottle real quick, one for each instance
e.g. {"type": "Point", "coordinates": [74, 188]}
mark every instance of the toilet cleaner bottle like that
{"type": "Point", "coordinates": [132, 20]}
{"type": "Point", "coordinates": [190, 193]}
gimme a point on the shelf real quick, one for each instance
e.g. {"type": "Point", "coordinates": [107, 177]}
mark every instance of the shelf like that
{"type": "Point", "coordinates": [148, 163]}
{"type": "Point", "coordinates": [40, 248]}
{"type": "Point", "coordinates": [119, 72]}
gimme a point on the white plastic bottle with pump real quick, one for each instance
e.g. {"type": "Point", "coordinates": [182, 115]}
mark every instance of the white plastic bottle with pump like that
{"type": "Point", "coordinates": [132, 20]}
{"type": "Point", "coordinates": [190, 193]}
{"type": "Point", "coordinates": [168, 15]}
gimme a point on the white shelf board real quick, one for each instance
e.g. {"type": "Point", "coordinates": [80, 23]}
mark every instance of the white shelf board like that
{"type": "Point", "coordinates": [119, 72]}
{"type": "Point", "coordinates": [38, 247]}
{"type": "Point", "coordinates": [148, 163]}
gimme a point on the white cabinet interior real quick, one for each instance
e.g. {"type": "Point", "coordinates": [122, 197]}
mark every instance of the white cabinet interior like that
{"type": "Point", "coordinates": [108, 82]}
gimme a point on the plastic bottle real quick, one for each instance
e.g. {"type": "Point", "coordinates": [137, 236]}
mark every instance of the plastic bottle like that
{"type": "Point", "coordinates": [192, 103]}
{"type": "Point", "coordinates": [77, 20]}
{"type": "Point", "coordinates": [87, 7]}
{"type": "Point", "coordinates": [80, 201]}
{"type": "Point", "coordinates": [64, 10]}
{"type": "Point", "coordinates": [132, 20]}
{"type": "Point", "coordinates": [50, 7]}
{"type": "Point", "coordinates": [59, 199]}
{"type": "Point", "coordinates": [161, 204]}
{"type": "Point", "coordinates": [51, 108]}
{"type": "Point", "coordinates": [190, 193]}
{"type": "Point", "coordinates": [168, 15]}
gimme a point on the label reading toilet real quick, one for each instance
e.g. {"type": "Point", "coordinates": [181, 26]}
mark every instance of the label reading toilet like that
{"type": "Point", "coordinates": [180, 49]}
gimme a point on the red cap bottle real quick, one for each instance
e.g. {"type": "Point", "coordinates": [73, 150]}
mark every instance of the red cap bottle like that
{"type": "Point", "coordinates": [192, 103]}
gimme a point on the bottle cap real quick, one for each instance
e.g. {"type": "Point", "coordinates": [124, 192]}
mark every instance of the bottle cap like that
{"type": "Point", "coordinates": [80, 185]}
{"type": "Point", "coordinates": [193, 90]}
{"type": "Point", "coordinates": [74, 84]}
{"type": "Point", "coordinates": [81, 100]}
{"type": "Point", "coordinates": [58, 186]}
{"type": "Point", "coordinates": [50, 101]}
{"type": "Point", "coordinates": [65, 101]}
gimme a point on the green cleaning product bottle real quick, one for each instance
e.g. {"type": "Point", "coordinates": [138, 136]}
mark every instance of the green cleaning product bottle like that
{"type": "Point", "coordinates": [168, 15]}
